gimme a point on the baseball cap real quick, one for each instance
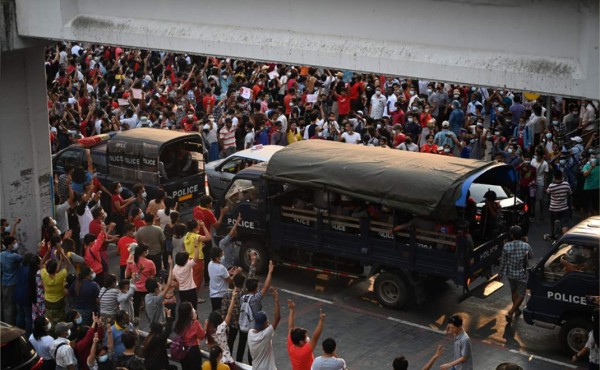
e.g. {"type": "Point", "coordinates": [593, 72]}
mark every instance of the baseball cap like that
{"type": "Point", "coordinates": [260, 319]}
{"type": "Point", "coordinates": [445, 124]}
{"type": "Point", "coordinates": [62, 327]}
{"type": "Point", "coordinates": [340, 74]}
{"type": "Point", "coordinates": [577, 139]}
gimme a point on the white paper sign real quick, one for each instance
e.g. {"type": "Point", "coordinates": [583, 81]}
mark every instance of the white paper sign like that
{"type": "Point", "coordinates": [312, 98]}
{"type": "Point", "coordinates": [273, 75]}
{"type": "Point", "coordinates": [246, 93]}
{"type": "Point", "coordinates": [123, 102]}
{"type": "Point", "coordinates": [137, 93]}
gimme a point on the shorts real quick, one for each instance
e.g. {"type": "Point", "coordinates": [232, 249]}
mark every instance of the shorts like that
{"type": "Point", "coordinates": [518, 286]}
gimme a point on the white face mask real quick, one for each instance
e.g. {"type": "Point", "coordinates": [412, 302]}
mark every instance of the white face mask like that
{"type": "Point", "coordinates": [119, 190]}
{"type": "Point", "coordinates": [593, 161]}
{"type": "Point", "coordinates": [378, 126]}
{"type": "Point", "coordinates": [103, 358]}
{"type": "Point", "coordinates": [410, 120]}
{"type": "Point", "coordinates": [378, 92]}
{"type": "Point", "coordinates": [429, 91]}
{"type": "Point", "coordinates": [411, 92]}
{"type": "Point", "coordinates": [190, 116]}
{"type": "Point", "coordinates": [144, 194]}
{"type": "Point", "coordinates": [68, 333]}
{"type": "Point", "coordinates": [446, 150]}
{"type": "Point", "coordinates": [93, 276]}
{"type": "Point", "coordinates": [509, 151]}
{"type": "Point", "coordinates": [16, 246]}
{"type": "Point", "coordinates": [49, 326]}
{"type": "Point", "coordinates": [500, 109]}
{"type": "Point", "coordinates": [7, 228]}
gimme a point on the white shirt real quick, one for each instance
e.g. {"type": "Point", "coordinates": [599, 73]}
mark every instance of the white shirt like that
{"type": "Point", "coordinates": [260, 344]}
{"type": "Point", "coordinates": [351, 139]}
{"type": "Point", "coordinates": [391, 105]}
{"type": "Point", "coordinates": [377, 106]}
{"type": "Point", "coordinates": [249, 140]}
{"type": "Point", "coordinates": [164, 219]}
{"type": "Point", "coordinates": [98, 126]}
{"type": "Point", "coordinates": [65, 356]}
{"type": "Point", "coordinates": [593, 349]}
{"type": "Point", "coordinates": [411, 148]}
{"type": "Point", "coordinates": [217, 285]}
{"type": "Point", "coordinates": [132, 121]}
{"type": "Point", "coordinates": [540, 171]}
{"type": "Point", "coordinates": [42, 346]}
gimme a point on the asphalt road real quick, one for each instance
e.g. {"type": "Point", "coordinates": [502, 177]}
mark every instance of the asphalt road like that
{"type": "Point", "coordinates": [371, 336]}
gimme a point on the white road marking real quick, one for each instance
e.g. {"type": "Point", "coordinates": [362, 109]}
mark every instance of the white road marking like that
{"type": "Point", "coordinates": [306, 296]}
{"type": "Point", "coordinates": [565, 364]}
{"type": "Point", "coordinates": [438, 331]}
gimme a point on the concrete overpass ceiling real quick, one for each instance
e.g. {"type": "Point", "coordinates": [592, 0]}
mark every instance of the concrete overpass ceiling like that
{"type": "Point", "coordinates": [549, 46]}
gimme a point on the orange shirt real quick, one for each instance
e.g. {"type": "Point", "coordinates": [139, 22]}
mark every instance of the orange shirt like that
{"type": "Point", "coordinates": [300, 357]}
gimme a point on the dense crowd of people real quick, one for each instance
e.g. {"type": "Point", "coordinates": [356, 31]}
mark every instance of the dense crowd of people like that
{"type": "Point", "coordinates": [79, 315]}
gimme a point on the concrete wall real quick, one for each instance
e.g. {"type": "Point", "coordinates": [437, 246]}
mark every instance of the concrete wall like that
{"type": "Point", "coordinates": [549, 46]}
{"type": "Point", "coordinates": [25, 161]}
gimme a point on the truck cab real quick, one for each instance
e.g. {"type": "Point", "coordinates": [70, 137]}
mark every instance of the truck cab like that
{"type": "Point", "coordinates": [561, 283]}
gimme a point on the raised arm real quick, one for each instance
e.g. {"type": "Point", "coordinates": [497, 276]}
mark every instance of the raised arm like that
{"type": "Point", "coordinates": [277, 314]}
{"type": "Point", "coordinates": [231, 306]}
{"type": "Point", "coordinates": [438, 353]}
{"type": "Point", "coordinates": [318, 330]}
{"type": "Point", "coordinates": [291, 316]}
{"type": "Point", "coordinates": [267, 284]}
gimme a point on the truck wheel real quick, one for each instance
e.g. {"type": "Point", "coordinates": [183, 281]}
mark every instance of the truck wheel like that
{"type": "Point", "coordinates": [574, 334]}
{"type": "Point", "coordinates": [262, 260]}
{"type": "Point", "coordinates": [391, 290]}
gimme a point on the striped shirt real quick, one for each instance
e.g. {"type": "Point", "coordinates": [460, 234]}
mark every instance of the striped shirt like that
{"type": "Point", "coordinates": [559, 194]}
{"type": "Point", "coordinates": [109, 303]}
{"type": "Point", "coordinates": [228, 137]}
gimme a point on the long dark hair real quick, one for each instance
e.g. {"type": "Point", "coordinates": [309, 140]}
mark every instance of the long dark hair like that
{"type": "Point", "coordinates": [169, 203]}
{"type": "Point", "coordinates": [39, 327]}
{"type": "Point", "coordinates": [184, 317]}
{"type": "Point", "coordinates": [156, 329]}
{"type": "Point", "coordinates": [214, 320]}
{"type": "Point", "coordinates": [213, 358]}
{"type": "Point", "coordinates": [141, 249]}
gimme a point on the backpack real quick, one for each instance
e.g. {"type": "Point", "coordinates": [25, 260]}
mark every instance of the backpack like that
{"type": "Point", "coordinates": [179, 351]}
{"type": "Point", "coordinates": [246, 319]}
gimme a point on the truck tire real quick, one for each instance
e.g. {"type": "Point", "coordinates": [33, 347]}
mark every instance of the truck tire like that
{"type": "Point", "coordinates": [574, 334]}
{"type": "Point", "coordinates": [262, 261]}
{"type": "Point", "coordinates": [391, 290]}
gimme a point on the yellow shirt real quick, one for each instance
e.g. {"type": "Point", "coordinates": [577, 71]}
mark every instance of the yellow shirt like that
{"type": "Point", "coordinates": [189, 241]}
{"type": "Point", "coordinates": [54, 286]}
{"type": "Point", "coordinates": [220, 366]}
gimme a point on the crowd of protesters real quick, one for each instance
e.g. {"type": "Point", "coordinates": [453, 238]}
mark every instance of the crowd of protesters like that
{"type": "Point", "coordinates": [80, 315]}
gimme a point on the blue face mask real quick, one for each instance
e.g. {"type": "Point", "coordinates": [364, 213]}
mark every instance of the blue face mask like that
{"type": "Point", "coordinates": [78, 320]}
{"type": "Point", "coordinates": [103, 358]}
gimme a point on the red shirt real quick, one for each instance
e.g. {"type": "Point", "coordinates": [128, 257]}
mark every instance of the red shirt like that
{"type": "Point", "coordinates": [398, 117]}
{"type": "Point", "coordinates": [208, 102]}
{"type": "Point", "coordinates": [117, 199]}
{"type": "Point", "coordinates": [123, 248]}
{"type": "Point", "coordinates": [399, 139]}
{"type": "Point", "coordinates": [193, 334]}
{"type": "Point", "coordinates": [343, 104]}
{"type": "Point", "coordinates": [92, 256]}
{"type": "Point", "coordinates": [138, 222]}
{"type": "Point", "coordinates": [95, 227]}
{"type": "Point", "coordinates": [300, 357]}
{"type": "Point", "coordinates": [286, 103]}
{"type": "Point", "coordinates": [205, 215]}
{"type": "Point", "coordinates": [426, 148]}
{"type": "Point", "coordinates": [145, 268]}
{"type": "Point", "coordinates": [355, 90]}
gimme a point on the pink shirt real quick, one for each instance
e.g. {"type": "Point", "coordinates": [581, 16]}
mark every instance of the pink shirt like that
{"type": "Point", "coordinates": [184, 275]}
{"type": "Point", "coordinates": [145, 268]}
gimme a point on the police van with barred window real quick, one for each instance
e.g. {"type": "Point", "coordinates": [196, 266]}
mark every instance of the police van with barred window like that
{"type": "Point", "coordinates": [160, 159]}
{"type": "Point", "coordinates": [563, 283]}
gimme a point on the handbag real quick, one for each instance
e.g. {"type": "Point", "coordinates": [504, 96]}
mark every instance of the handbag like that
{"type": "Point", "coordinates": [179, 351]}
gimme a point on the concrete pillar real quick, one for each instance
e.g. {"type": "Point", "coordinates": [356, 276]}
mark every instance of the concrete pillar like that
{"type": "Point", "coordinates": [25, 161]}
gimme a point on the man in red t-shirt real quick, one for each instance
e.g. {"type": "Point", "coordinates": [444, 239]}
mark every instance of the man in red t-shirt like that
{"type": "Point", "coordinates": [123, 247]}
{"type": "Point", "coordinates": [204, 213]}
{"type": "Point", "coordinates": [287, 100]}
{"type": "Point", "coordinates": [300, 347]}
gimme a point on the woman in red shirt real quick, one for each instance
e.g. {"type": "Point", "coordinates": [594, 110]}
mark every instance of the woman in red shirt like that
{"type": "Point", "coordinates": [188, 327]}
{"type": "Point", "coordinates": [429, 147]}
{"type": "Point", "coordinates": [118, 206]}
{"type": "Point", "coordinates": [141, 268]}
